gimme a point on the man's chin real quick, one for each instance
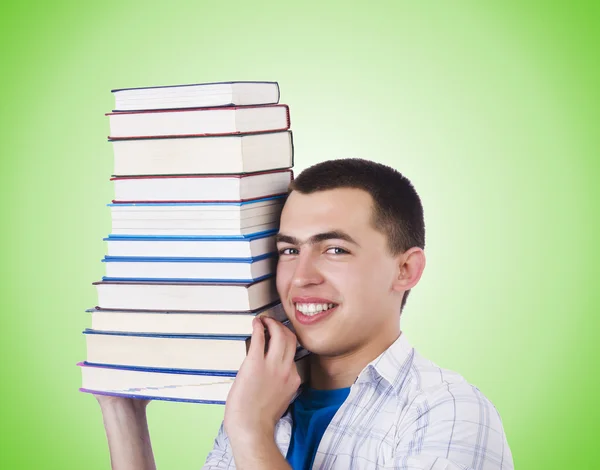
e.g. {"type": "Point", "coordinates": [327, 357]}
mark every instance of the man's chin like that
{"type": "Point", "coordinates": [319, 341]}
{"type": "Point", "coordinates": [321, 348]}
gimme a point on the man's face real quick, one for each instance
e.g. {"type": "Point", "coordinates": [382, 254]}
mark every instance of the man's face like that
{"type": "Point", "coordinates": [335, 273]}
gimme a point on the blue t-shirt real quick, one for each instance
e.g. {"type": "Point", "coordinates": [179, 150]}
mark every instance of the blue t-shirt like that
{"type": "Point", "coordinates": [312, 412]}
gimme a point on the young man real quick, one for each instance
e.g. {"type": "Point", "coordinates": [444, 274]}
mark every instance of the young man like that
{"type": "Point", "coordinates": [350, 248]}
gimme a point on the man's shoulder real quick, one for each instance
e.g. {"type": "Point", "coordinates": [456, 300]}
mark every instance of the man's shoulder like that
{"type": "Point", "coordinates": [426, 376]}
{"type": "Point", "coordinates": [427, 382]}
{"type": "Point", "coordinates": [409, 373]}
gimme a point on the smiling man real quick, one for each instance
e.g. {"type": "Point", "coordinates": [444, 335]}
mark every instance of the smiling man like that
{"type": "Point", "coordinates": [350, 248]}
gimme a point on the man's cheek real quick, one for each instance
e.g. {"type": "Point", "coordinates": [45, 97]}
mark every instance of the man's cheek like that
{"type": "Point", "coordinates": [282, 278]}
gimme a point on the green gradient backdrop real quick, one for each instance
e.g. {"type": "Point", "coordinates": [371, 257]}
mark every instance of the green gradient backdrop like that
{"type": "Point", "coordinates": [489, 110]}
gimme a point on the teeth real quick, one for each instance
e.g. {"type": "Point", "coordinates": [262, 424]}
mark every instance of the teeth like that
{"type": "Point", "coordinates": [313, 309]}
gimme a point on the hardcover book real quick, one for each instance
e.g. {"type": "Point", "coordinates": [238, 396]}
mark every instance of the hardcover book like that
{"type": "Point", "coordinates": [181, 322]}
{"type": "Point", "coordinates": [234, 154]}
{"type": "Point", "coordinates": [184, 269]}
{"type": "Point", "coordinates": [195, 219]}
{"type": "Point", "coordinates": [198, 121]}
{"type": "Point", "coordinates": [178, 352]}
{"type": "Point", "coordinates": [191, 296]}
{"type": "Point", "coordinates": [200, 95]}
{"type": "Point", "coordinates": [217, 247]}
{"type": "Point", "coordinates": [198, 188]}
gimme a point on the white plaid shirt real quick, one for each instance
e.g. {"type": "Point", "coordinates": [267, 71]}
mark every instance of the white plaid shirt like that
{"type": "Point", "coordinates": [405, 413]}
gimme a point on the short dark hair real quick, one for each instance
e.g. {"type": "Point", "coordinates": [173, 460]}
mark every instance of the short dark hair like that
{"type": "Point", "coordinates": [397, 211]}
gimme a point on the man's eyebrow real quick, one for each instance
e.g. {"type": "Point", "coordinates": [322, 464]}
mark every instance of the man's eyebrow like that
{"type": "Point", "coordinates": [317, 238]}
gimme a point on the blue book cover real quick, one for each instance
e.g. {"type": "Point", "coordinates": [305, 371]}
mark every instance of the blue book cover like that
{"type": "Point", "coordinates": [141, 259]}
{"type": "Point", "coordinates": [196, 238]}
{"type": "Point", "coordinates": [148, 397]}
{"type": "Point", "coordinates": [89, 331]}
{"type": "Point", "coordinates": [276, 198]}
{"type": "Point", "coordinates": [207, 282]}
{"type": "Point", "coordinates": [185, 280]}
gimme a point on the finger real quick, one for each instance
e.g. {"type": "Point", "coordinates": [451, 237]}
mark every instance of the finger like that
{"type": "Point", "coordinates": [278, 341]}
{"type": "Point", "coordinates": [257, 341]}
{"type": "Point", "coordinates": [293, 338]}
{"type": "Point", "coordinates": [292, 343]}
{"type": "Point", "coordinates": [289, 332]}
{"type": "Point", "coordinates": [290, 350]}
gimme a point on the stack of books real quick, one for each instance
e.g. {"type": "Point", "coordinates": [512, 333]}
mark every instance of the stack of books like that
{"type": "Point", "coordinates": [200, 176]}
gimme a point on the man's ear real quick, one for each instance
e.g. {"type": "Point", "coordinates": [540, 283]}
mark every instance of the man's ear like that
{"type": "Point", "coordinates": [411, 264]}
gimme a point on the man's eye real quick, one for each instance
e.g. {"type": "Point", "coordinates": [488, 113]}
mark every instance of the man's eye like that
{"type": "Point", "coordinates": [288, 251]}
{"type": "Point", "coordinates": [336, 250]}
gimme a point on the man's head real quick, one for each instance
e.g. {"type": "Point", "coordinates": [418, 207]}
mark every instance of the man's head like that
{"type": "Point", "coordinates": [352, 235]}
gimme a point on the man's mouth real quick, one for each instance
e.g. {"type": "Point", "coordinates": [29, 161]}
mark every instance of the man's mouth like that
{"type": "Point", "coordinates": [312, 309]}
{"type": "Point", "coordinates": [311, 312]}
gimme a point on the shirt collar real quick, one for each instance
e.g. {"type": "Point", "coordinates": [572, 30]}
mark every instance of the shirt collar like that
{"type": "Point", "coordinates": [392, 365]}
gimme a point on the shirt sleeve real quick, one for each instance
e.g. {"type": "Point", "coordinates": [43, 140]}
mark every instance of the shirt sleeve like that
{"type": "Point", "coordinates": [454, 427]}
{"type": "Point", "coordinates": [221, 455]}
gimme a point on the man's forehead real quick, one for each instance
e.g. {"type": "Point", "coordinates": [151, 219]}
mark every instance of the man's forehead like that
{"type": "Point", "coordinates": [348, 211]}
{"type": "Point", "coordinates": [339, 202]}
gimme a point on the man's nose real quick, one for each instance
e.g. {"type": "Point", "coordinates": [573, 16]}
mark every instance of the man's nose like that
{"type": "Point", "coordinates": [306, 272]}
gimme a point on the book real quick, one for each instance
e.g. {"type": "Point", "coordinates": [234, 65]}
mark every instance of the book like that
{"type": "Point", "coordinates": [250, 246]}
{"type": "Point", "coordinates": [207, 387]}
{"type": "Point", "coordinates": [196, 95]}
{"type": "Point", "coordinates": [180, 352]}
{"type": "Point", "coordinates": [177, 322]}
{"type": "Point", "coordinates": [200, 218]}
{"type": "Point", "coordinates": [242, 153]}
{"type": "Point", "coordinates": [196, 188]}
{"type": "Point", "coordinates": [183, 269]}
{"type": "Point", "coordinates": [191, 296]}
{"type": "Point", "coordinates": [198, 121]}
{"type": "Point", "coordinates": [187, 228]}
{"type": "Point", "coordinates": [196, 386]}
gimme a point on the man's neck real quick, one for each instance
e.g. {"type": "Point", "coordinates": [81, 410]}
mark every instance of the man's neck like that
{"type": "Point", "coordinates": [332, 372]}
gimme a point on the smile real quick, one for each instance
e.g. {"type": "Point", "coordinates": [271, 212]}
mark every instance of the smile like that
{"type": "Point", "coordinates": [313, 309]}
{"type": "Point", "coordinates": [313, 312]}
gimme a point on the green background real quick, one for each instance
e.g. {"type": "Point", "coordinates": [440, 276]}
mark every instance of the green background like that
{"type": "Point", "coordinates": [491, 111]}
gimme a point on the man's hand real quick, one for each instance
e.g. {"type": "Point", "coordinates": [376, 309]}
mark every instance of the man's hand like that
{"type": "Point", "coordinates": [264, 386]}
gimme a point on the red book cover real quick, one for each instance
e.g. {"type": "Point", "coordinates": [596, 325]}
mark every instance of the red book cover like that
{"type": "Point", "coordinates": [187, 110]}
{"type": "Point", "coordinates": [237, 176]}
